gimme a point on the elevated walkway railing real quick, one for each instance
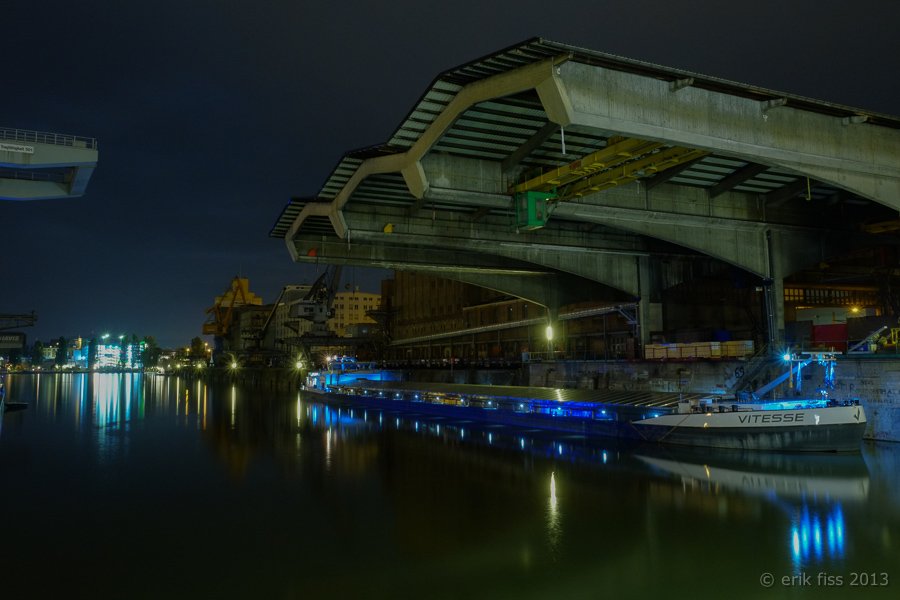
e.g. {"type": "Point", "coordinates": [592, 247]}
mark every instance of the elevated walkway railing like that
{"type": "Point", "coordinates": [43, 137]}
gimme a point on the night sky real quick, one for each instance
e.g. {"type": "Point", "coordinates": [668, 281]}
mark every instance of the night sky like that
{"type": "Point", "coordinates": [210, 115]}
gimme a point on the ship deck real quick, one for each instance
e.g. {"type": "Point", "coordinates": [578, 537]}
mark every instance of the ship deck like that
{"type": "Point", "coordinates": [564, 398]}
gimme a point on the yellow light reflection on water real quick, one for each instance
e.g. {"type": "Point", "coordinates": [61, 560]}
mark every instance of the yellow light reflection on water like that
{"type": "Point", "coordinates": [553, 525]}
{"type": "Point", "coordinates": [233, 403]}
{"type": "Point", "coordinates": [553, 500]}
{"type": "Point", "coordinates": [328, 449]}
{"type": "Point", "coordinates": [198, 397]}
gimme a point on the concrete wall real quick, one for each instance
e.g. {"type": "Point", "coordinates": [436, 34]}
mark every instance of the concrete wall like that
{"type": "Point", "coordinates": [467, 376]}
{"type": "Point", "coordinates": [658, 376]}
{"type": "Point", "coordinates": [877, 383]}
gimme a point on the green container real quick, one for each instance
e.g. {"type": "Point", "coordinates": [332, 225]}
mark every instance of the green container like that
{"type": "Point", "coordinates": [532, 209]}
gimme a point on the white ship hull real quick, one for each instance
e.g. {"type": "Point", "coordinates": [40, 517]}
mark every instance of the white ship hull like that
{"type": "Point", "coordinates": [827, 429]}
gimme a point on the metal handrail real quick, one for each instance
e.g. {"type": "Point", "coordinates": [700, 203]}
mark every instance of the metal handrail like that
{"type": "Point", "coordinates": [43, 137]}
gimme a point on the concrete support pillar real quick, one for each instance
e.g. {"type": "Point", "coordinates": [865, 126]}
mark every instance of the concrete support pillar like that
{"type": "Point", "coordinates": [416, 181]}
{"type": "Point", "coordinates": [649, 307]}
{"type": "Point", "coordinates": [777, 288]}
{"type": "Point", "coordinates": [774, 294]}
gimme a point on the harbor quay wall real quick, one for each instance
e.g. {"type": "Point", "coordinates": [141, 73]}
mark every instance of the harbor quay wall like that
{"type": "Point", "coordinates": [475, 376]}
{"type": "Point", "coordinates": [276, 379]}
{"type": "Point", "coordinates": [708, 377]}
{"type": "Point", "coordinates": [874, 381]}
{"type": "Point", "coordinates": [877, 384]}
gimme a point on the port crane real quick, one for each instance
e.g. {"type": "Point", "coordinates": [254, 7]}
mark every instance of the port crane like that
{"type": "Point", "coordinates": [316, 306]}
{"type": "Point", "coordinates": [221, 314]}
{"type": "Point", "coordinates": [260, 338]}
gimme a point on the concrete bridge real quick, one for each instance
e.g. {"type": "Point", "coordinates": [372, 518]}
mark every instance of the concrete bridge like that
{"type": "Point", "coordinates": [555, 173]}
{"type": "Point", "coordinates": [36, 165]}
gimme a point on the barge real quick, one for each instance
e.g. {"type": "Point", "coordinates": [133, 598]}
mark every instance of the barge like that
{"type": "Point", "coordinates": [790, 423]}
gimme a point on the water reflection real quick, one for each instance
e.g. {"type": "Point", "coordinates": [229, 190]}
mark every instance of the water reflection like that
{"type": "Point", "coordinates": [553, 527]}
{"type": "Point", "coordinates": [811, 490]}
{"type": "Point", "coordinates": [771, 475]}
{"type": "Point", "coordinates": [104, 401]}
{"type": "Point", "coordinates": [816, 535]}
{"type": "Point", "coordinates": [407, 500]}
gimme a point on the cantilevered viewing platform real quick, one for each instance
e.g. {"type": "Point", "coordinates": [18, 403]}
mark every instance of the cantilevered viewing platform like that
{"type": "Point", "coordinates": [36, 165]}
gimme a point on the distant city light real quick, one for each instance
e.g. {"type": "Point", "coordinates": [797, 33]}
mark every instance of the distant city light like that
{"type": "Point", "coordinates": [113, 356]}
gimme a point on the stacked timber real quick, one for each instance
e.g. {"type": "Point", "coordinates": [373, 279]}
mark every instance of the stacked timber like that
{"type": "Point", "coordinates": [704, 350]}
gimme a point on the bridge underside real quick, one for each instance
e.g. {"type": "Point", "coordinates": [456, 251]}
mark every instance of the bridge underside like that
{"type": "Point", "coordinates": [545, 166]}
{"type": "Point", "coordinates": [43, 166]}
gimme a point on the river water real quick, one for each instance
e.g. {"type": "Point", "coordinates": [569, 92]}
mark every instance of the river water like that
{"type": "Point", "coordinates": [131, 486]}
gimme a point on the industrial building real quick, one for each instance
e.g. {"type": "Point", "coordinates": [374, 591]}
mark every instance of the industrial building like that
{"type": "Point", "coordinates": [304, 320]}
{"type": "Point", "coordinates": [352, 308]}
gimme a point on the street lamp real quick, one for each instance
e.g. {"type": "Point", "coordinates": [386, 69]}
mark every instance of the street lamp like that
{"type": "Point", "coordinates": [549, 333]}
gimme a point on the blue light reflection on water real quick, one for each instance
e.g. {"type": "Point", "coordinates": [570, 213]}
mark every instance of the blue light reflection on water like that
{"type": "Point", "coordinates": [580, 485]}
{"type": "Point", "coordinates": [817, 533]}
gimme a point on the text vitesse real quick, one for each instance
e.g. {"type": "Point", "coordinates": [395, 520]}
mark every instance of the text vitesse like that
{"type": "Point", "coordinates": [796, 417]}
